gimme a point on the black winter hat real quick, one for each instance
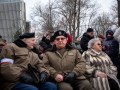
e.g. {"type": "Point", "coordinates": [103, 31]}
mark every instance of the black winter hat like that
{"type": "Point", "coordinates": [89, 30]}
{"type": "Point", "coordinates": [59, 33]}
{"type": "Point", "coordinates": [27, 35]}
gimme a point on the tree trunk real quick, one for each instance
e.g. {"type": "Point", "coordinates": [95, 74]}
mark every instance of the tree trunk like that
{"type": "Point", "coordinates": [118, 2]}
{"type": "Point", "coordinates": [78, 19]}
{"type": "Point", "coordinates": [74, 20]}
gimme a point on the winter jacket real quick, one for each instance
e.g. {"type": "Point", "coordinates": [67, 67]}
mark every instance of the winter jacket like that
{"type": "Point", "coordinates": [110, 45]}
{"type": "Point", "coordinates": [21, 56]}
{"type": "Point", "coordinates": [84, 41]}
{"type": "Point", "coordinates": [70, 61]}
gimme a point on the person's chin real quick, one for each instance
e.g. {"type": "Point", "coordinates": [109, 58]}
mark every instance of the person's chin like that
{"type": "Point", "coordinates": [31, 47]}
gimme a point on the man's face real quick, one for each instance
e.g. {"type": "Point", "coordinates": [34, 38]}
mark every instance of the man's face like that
{"type": "Point", "coordinates": [91, 34]}
{"type": "Point", "coordinates": [60, 42]}
{"type": "Point", "coordinates": [30, 42]}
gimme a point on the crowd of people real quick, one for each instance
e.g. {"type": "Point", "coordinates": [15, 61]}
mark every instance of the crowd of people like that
{"type": "Point", "coordinates": [58, 63]}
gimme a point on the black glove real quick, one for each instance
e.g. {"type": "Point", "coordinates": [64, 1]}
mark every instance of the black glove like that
{"type": "Point", "coordinates": [43, 77]}
{"type": "Point", "coordinates": [26, 78]}
{"type": "Point", "coordinates": [69, 77]}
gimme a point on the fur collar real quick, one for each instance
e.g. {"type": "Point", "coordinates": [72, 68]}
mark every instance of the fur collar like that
{"type": "Point", "coordinates": [20, 43]}
{"type": "Point", "coordinates": [94, 53]}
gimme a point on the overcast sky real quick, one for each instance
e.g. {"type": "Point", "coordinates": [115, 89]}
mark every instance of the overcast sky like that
{"type": "Point", "coordinates": [105, 5]}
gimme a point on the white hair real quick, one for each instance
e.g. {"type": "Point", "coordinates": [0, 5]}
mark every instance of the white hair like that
{"type": "Point", "coordinates": [92, 41]}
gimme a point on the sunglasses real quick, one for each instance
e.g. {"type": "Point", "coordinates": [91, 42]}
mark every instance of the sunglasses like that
{"type": "Point", "coordinates": [57, 39]}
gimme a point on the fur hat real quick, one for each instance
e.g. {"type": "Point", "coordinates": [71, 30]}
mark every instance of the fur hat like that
{"type": "Point", "coordinates": [27, 35]}
{"type": "Point", "coordinates": [59, 33]}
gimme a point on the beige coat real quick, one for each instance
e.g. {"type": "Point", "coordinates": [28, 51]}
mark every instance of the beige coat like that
{"type": "Point", "coordinates": [71, 61]}
{"type": "Point", "coordinates": [21, 58]}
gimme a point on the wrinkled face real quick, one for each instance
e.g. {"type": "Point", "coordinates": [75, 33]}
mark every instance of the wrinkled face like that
{"type": "Point", "coordinates": [30, 42]}
{"type": "Point", "coordinates": [60, 41]}
{"type": "Point", "coordinates": [97, 46]}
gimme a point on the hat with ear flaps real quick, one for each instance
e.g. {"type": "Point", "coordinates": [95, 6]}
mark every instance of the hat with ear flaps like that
{"type": "Point", "coordinates": [59, 33]}
{"type": "Point", "coordinates": [27, 35]}
{"type": "Point", "coordinates": [111, 32]}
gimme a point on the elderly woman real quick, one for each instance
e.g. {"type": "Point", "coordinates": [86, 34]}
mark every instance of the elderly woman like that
{"type": "Point", "coordinates": [99, 69]}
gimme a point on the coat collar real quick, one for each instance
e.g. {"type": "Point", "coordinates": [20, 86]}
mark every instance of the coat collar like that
{"type": "Point", "coordinates": [94, 53]}
{"type": "Point", "coordinates": [53, 49]}
{"type": "Point", "coordinates": [20, 43]}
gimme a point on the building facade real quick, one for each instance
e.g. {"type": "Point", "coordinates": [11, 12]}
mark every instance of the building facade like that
{"type": "Point", "coordinates": [12, 18]}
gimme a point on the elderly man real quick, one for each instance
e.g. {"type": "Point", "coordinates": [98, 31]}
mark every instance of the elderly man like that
{"type": "Point", "coordinates": [21, 69]}
{"type": "Point", "coordinates": [65, 64]}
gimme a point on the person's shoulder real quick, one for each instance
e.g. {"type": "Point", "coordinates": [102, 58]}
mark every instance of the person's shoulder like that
{"type": "Point", "coordinates": [9, 45]}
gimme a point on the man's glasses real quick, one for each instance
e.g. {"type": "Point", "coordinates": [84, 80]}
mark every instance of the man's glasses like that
{"type": "Point", "coordinates": [57, 39]}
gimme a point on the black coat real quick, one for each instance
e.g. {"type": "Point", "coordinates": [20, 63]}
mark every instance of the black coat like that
{"type": "Point", "coordinates": [84, 41]}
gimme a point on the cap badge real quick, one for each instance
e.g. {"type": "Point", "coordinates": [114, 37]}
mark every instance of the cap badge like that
{"type": "Point", "coordinates": [60, 33]}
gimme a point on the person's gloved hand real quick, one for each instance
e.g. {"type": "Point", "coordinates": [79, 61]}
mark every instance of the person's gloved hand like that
{"type": "Point", "coordinates": [69, 77]}
{"type": "Point", "coordinates": [26, 78]}
{"type": "Point", "coordinates": [43, 77]}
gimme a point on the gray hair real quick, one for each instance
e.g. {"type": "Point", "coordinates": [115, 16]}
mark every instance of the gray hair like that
{"type": "Point", "coordinates": [92, 41]}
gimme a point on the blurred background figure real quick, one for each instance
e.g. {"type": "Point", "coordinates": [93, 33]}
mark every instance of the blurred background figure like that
{"type": "Point", "coordinates": [76, 44]}
{"type": "Point", "coordinates": [69, 39]}
{"type": "Point", "coordinates": [117, 34]}
{"type": "Point", "coordinates": [111, 48]}
{"type": "Point", "coordinates": [47, 40]}
{"type": "Point", "coordinates": [85, 38]}
{"type": "Point", "coordinates": [2, 43]}
{"type": "Point", "coordinates": [101, 37]}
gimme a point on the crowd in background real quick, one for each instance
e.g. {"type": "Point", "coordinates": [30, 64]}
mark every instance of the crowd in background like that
{"type": "Point", "coordinates": [101, 55]}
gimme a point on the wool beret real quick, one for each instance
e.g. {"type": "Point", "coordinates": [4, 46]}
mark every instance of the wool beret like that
{"type": "Point", "coordinates": [27, 35]}
{"type": "Point", "coordinates": [89, 30]}
{"type": "Point", "coordinates": [59, 33]}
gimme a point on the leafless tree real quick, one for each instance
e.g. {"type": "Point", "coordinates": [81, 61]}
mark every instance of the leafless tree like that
{"type": "Point", "coordinates": [102, 23]}
{"type": "Point", "coordinates": [44, 17]}
{"type": "Point", "coordinates": [114, 13]}
{"type": "Point", "coordinates": [68, 15]}
{"type": "Point", "coordinates": [75, 13]}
